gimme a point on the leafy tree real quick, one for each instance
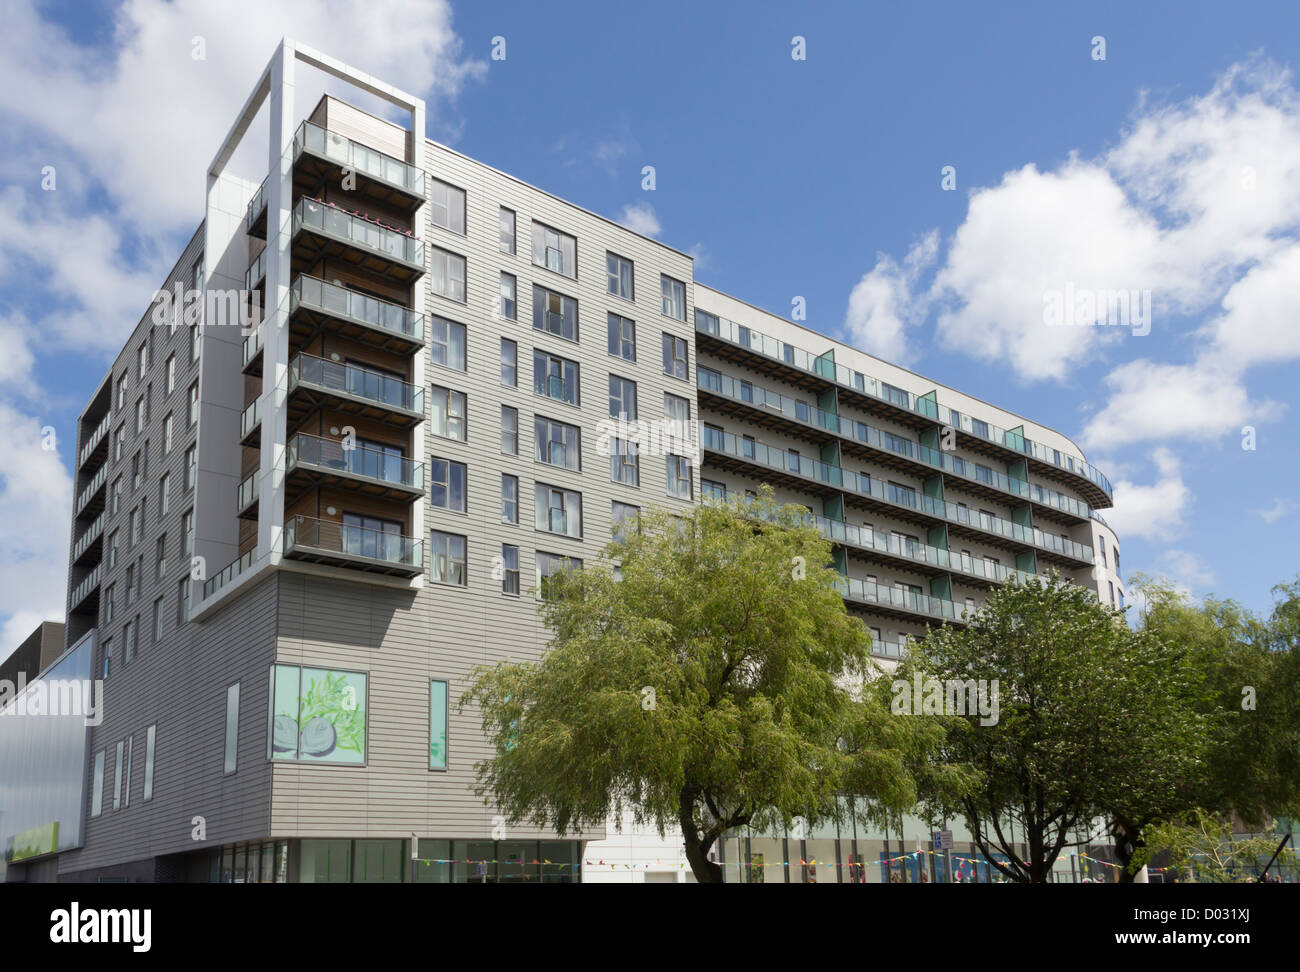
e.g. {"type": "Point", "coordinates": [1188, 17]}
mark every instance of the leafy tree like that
{"type": "Point", "coordinates": [1095, 720]}
{"type": "Point", "coordinates": [1204, 849]}
{"type": "Point", "coordinates": [714, 681]}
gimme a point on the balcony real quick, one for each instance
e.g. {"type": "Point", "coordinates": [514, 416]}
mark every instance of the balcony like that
{"type": "Point", "coordinates": [90, 499]}
{"type": "Point", "coordinates": [797, 471]}
{"type": "Point", "coordinates": [320, 156]}
{"type": "Point", "coordinates": [253, 353]}
{"type": "Point", "coordinates": [321, 230]}
{"type": "Point", "coordinates": [246, 497]}
{"type": "Point", "coordinates": [351, 388]}
{"type": "Point", "coordinates": [769, 409]}
{"type": "Point", "coordinates": [91, 449]}
{"type": "Point", "coordinates": [255, 217]}
{"type": "Point", "coordinates": [312, 461]}
{"type": "Point", "coordinates": [767, 355]}
{"type": "Point", "coordinates": [359, 548]}
{"type": "Point", "coordinates": [88, 544]}
{"type": "Point", "coordinates": [897, 603]}
{"type": "Point", "coordinates": [250, 426]}
{"type": "Point", "coordinates": [88, 587]}
{"type": "Point", "coordinates": [228, 574]}
{"type": "Point", "coordinates": [315, 305]}
{"type": "Point", "coordinates": [255, 275]}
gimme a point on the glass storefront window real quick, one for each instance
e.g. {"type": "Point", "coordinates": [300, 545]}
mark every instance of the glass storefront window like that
{"type": "Point", "coordinates": [378, 862]}
{"type": "Point", "coordinates": [325, 861]}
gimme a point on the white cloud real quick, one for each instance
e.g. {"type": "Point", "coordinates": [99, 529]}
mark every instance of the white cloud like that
{"type": "Point", "coordinates": [640, 218]}
{"type": "Point", "coordinates": [35, 508]}
{"type": "Point", "coordinates": [1258, 324]}
{"type": "Point", "coordinates": [1280, 508]}
{"type": "Point", "coordinates": [882, 304]}
{"type": "Point", "coordinates": [1155, 511]}
{"type": "Point", "coordinates": [1187, 570]}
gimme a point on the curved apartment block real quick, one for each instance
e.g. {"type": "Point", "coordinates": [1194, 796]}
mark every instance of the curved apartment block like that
{"type": "Point", "coordinates": [302, 502]}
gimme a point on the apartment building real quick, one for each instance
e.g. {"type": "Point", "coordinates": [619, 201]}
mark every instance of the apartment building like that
{"type": "Point", "coordinates": [316, 492]}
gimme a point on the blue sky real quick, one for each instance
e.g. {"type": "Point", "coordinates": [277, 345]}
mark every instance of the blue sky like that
{"type": "Point", "coordinates": [1170, 166]}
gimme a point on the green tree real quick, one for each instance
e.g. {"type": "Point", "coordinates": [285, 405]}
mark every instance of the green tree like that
{"type": "Point", "coordinates": [713, 681]}
{"type": "Point", "coordinates": [1204, 849]}
{"type": "Point", "coordinates": [1095, 721]}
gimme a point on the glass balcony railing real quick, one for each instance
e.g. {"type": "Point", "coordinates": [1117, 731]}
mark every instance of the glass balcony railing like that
{"type": "Point", "coordinates": [88, 584]}
{"type": "Point", "coordinates": [256, 271]}
{"type": "Point", "coordinates": [95, 439]}
{"type": "Point", "coordinates": [340, 302]}
{"type": "Point", "coordinates": [803, 412]}
{"type": "Point", "coordinates": [887, 649]}
{"type": "Point", "coordinates": [898, 598]}
{"type": "Point", "coordinates": [252, 345]}
{"type": "Point", "coordinates": [92, 487]}
{"type": "Point", "coordinates": [256, 206]}
{"type": "Point", "coordinates": [904, 497]}
{"type": "Point", "coordinates": [228, 574]}
{"type": "Point", "coordinates": [338, 148]}
{"type": "Point", "coordinates": [247, 493]}
{"type": "Point", "coordinates": [356, 381]}
{"type": "Point", "coordinates": [312, 450]}
{"type": "Point", "coordinates": [88, 536]}
{"type": "Point", "coordinates": [824, 367]}
{"type": "Point", "coordinates": [344, 226]}
{"type": "Point", "coordinates": [249, 420]}
{"type": "Point", "coordinates": [308, 534]}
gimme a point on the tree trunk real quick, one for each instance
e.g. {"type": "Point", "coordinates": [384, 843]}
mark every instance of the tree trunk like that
{"type": "Point", "coordinates": [697, 850]}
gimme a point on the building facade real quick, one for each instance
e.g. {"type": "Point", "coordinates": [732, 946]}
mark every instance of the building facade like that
{"type": "Point", "coordinates": [327, 476]}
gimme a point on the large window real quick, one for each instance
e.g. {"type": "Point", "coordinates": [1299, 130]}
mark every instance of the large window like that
{"type": "Point", "coordinates": [148, 762]}
{"type": "Point", "coordinates": [509, 300]}
{"type": "Point", "coordinates": [555, 250]}
{"type": "Point", "coordinates": [557, 443]}
{"type": "Point", "coordinates": [318, 715]}
{"type": "Point", "coordinates": [447, 274]}
{"type": "Point", "coordinates": [622, 337]}
{"type": "Point", "coordinates": [447, 206]}
{"type": "Point", "coordinates": [618, 272]}
{"type": "Point", "coordinates": [557, 510]}
{"type": "Point", "coordinates": [447, 343]}
{"type": "Point", "coordinates": [506, 230]}
{"type": "Point", "coordinates": [447, 413]}
{"type": "Point", "coordinates": [555, 313]}
{"type": "Point", "coordinates": [555, 377]}
{"type": "Point", "coordinates": [674, 297]}
{"type": "Point", "coordinates": [437, 724]}
{"type": "Point", "coordinates": [232, 728]}
{"type": "Point", "coordinates": [624, 462]}
{"type": "Point", "coordinates": [623, 517]}
{"type": "Point", "coordinates": [549, 564]}
{"type": "Point", "coordinates": [447, 484]}
{"type": "Point", "coordinates": [509, 498]}
{"type": "Point", "coordinates": [509, 430]}
{"type": "Point", "coordinates": [117, 778]}
{"type": "Point", "coordinates": [679, 477]}
{"type": "Point", "coordinates": [97, 789]}
{"type": "Point", "coordinates": [675, 361]}
{"type": "Point", "coordinates": [509, 363]}
{"type": "Point", "coordinates": [194, 403]}
{"type": "Point", "coordinates": [677, 411]}
{"type": "Point", "coordinates": [509, 569]}
{"type": "Point", "coordinates": [447, 560]}
{"type": "Point", "coordinates": [622, 399]}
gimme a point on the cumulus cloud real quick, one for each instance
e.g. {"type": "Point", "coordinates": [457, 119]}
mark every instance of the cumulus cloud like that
{"type": "Point", "coordinates": [882, 304]}
{"type": "Point", "coordinates": [640, 218]}
{"type": "Point", "coordinates": [1280, 508]}
{"type": "Point", "coordinates": [1152, 511]}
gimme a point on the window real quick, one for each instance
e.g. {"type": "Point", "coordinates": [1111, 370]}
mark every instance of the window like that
{"type": "Point", "coordinates": [119, 443]}
{"type": "Point", "coordinates": [97, 790]}
{"type": "Point", "coordinates": [509, 569]}
{"type": "Point", "coordinates": [369, 536]}
{"type": "Point", "coordinates": [182, 600]}
{"type": "Point", "coordinates": [555, 377]}
{"type": "Point", "coordinates": [133, 526]}
{"type": "Point", "coordinates": [167, 435]}
{"type": "Point", "coordinates": [984, 474]}
{"type": "Point", "coordinates": [108, 656]}
{"type": "Point", "coordinates": [554, 313]}
{"type": "Point", "coordinates": [130, 639]}
{"type": "Point", "coordinates": [549, 564]}
{"type": "Point", "coordinates": [622, 399]}
{"type": "Point", "coordinates": [194, 404]}
{"type": "Point", "coordinates": [509, 498]}
{"type": "Point", "coordinates": [557, 510]}
{"type": "Point", "coordinates": [447, 274]}
{"type": "Point", "coordinates": [448, 413]}
{"type": "Point", "coordinates": [109, 597]}
{"type": "Point", "coordinates": [675, 356]}
{"type": "Point", "coordinates": [135, 472]}
{"type": "Point", "coordinates": [187, 534]}
{"type": "Point", "coordinates": [232, 728]}
{"type": "Point", "coordinates": [157, 620]}
{"type": "Point", "coordinates": [121, 393]}
{"type": "Point", "coordinates": [171, 373]}
{"type": "Point", "coordinates": [447, 484]}
{"type": "Point", "coordinates": [678, 412]}
{"type": "Point", "coordinates": [554, 250]}
{"type": "Point", "coordinates": [712, 490]}
{"type": "Point", "coordinates": [160, 553]}
{"type": "Point", "coordinates": [674, 297]}
{"type": "Point", "coordinates": [148, 762]}
{"type": "Point", "coordinates": [195, 336]}
{"type": "Point", "coordinates": [143, 357]}
{"type": "Point", "coordinates": [112, 550]}
{"type": "Point", "coordinates": [437, 724]}
{"type": "Point", "coordinates": [1117, 573]}
{"type": "Point", "coordinates": [979, 428]}
{"type": "Point", "coordinates": [622, 337]}
{"type": "Point", "coordinates": [557, 443]}
{"type": "Point", "coordinates": [447, 206]}
{"type": "Point", "coordinates": [447, 343]}
{"type": "Point", "coordinates": [509, 430]}
{"type": "Point", "coordinates": [117, 778]}
{"type": "Point", "coordinates": [509, 301]}
{"type": "Point", "coordinates": [329, 705]}
{"type": "Point", "coordinates": [624, 462]}
{"type": "Point", "coordinates": [126, 773]}
{"type": "Point", "coordinates": [139, 415]}
{"type": "Point", "coordinates": [679, 477]}
{"type": "Point", "coordinates": [623, 517]}
{"type": "Point", "coordinates": [115, 495]}
{"type": "Point", "coordinates": [164, 494]}
{"type": "Point", "coordinates": [618, 272]}
{"type": "Point", "coordinates": [1101, 549]}
{"type": "Point", "coordinates": [904, 495]}
{"type": "Point", "coordinates": [509, 363]}
{"type": "Point", "coordinates": [506, 230]}
{"type": "Point", "coordinates": [447, 563]}
{"type": "Point", "coordinates": [1111, 585]}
